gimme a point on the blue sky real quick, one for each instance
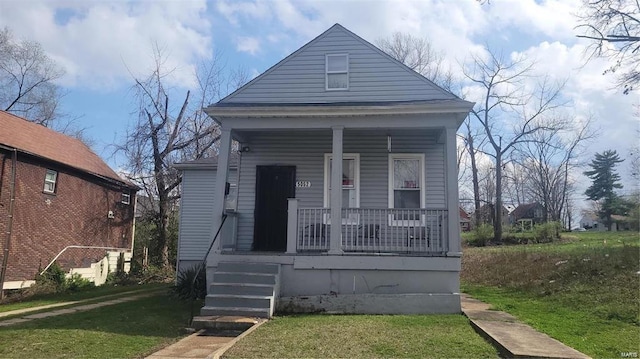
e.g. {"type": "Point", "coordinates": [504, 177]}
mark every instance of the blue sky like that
{"type": "Point", "coordinates": [102, 44]}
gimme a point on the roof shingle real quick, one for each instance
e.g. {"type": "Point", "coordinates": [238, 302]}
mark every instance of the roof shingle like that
{"type": "Point", "coordinates": [37, 140]}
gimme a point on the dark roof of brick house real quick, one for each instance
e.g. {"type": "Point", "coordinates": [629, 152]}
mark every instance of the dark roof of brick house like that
{"type": "Point", "coordinates": [522, 211]}
{"type": "Point", "coordinates": [37, 140]}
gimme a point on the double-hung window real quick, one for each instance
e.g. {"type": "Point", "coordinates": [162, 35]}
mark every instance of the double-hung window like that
{"type": "Point", "coordinates": [50, 179]}
{"type": "Point", "coordinates": [337, 71]}
{"type": "Point", "coordinates": [350, 183]}
{"type": "Point", "coordinates": [406, 188]}
{"type": "Point", "coordinates": [126, 198]}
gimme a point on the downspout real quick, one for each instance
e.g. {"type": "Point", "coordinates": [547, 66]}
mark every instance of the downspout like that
{"type": "Point", "coordinates": [133, 223]}
{"type": "Point", "coordinates": [7, 243]}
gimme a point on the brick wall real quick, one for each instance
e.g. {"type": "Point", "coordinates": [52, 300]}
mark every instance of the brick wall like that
{"type": "Point", "coordinates": [44, 224]}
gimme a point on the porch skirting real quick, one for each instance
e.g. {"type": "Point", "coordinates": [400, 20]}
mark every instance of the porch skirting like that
{"type": "Point", "coordinates": [366, 303]}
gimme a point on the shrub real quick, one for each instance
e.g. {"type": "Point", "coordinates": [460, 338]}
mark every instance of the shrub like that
{"type": "Point", "coordinates": [192, 283]}
{"type": "Point", "coordinates": [75, 283]}
{"type": "Point", "coordinates": [482, 235]}
{"type": "Point", "coordinates": [546, 232]}
{"type": "Point", "coordinates": [52, 280]}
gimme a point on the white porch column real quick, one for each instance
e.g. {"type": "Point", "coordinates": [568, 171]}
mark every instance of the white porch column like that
{"type": "Point", "coordinates": [292, 225]}
{"type": "Point", "coordinates": [221, 180]}
{"type": "Point", "coordinates": [335, 244]}
{"type": "Point", "coordinates": [453, 204]}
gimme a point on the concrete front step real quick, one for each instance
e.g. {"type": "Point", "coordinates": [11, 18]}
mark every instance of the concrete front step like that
{"type": "Point", "coordinates": [239, 289]}
{"type": "Point", "coordinates": [245, 278]}
{"type": "Point", "coordinates": [223, 322]}
{"type": "Point", "coordinates": [236, 311]}
{"type": "Point", "coordinates": [231, 301]}
{"type": "Point", "coordinates": [243, 267]}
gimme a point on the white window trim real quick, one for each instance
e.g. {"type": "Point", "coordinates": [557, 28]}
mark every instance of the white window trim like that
{"type": "Point", "coordinates": [409, 156]}
{"type": "Point", "coordinates": [128, 198]}
{"type": "Point", "coordinates": [327, 72]}
{"type": "Point", "coordinates": [354, 219]}
{"type": "Point", "coordinates": [54, 181]}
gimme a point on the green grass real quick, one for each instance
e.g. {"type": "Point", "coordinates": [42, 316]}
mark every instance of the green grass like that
{"type": "Point", "coordinates": [126, 330]}
{"type": "Point", "coordinates": [583, 290]}
{"type": "Point", "coordinates": [85, 293]}
{"type": "Point", "coordinates": [364, 336]}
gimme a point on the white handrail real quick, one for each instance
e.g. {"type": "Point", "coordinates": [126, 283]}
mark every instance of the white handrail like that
{"type": "Point", "coordinates": [83, 247]}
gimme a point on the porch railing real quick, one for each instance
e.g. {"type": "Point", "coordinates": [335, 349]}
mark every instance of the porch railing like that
{"type": "Point", "coordinates": [385, 230]}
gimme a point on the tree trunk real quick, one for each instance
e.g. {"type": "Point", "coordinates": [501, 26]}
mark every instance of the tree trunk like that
{"type": "Point", "coordinates": [497, 227]}
{"type": "Point", "coordinates": [474, 175]}
{"type": "Point", "coordinates": [163, 224]}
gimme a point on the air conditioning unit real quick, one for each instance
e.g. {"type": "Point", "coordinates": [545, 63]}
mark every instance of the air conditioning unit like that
{"type": "Point", "coordinates": [110, 215]}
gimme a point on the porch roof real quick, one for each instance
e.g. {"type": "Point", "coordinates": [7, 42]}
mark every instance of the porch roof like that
{"type": "Point", "coordinates": [334, 109]}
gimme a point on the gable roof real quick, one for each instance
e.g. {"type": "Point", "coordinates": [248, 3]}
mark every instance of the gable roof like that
{"type": "Point", "coordinates": [374, 76]}
{"type": "Point", "coordinates": [522, 211]}
{"type": "Point", "coordinates": [39, 141]}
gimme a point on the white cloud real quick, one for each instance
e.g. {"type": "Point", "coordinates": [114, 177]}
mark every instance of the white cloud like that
{"type": "Point", "coordinates": [99, 42]}
{"type": "Point", "coordinates": [248, 44]}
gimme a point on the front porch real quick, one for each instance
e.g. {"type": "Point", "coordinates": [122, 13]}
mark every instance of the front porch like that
{"type": "Point", "coordinates": [418, 232]}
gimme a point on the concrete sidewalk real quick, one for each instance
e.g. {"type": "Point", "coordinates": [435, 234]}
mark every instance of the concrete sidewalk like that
{"type": "Point", "coordinates": [210, 343]}
{"type": "Point", "coordinates": [513, 338]}
{"type": "Point", "coordinates": [99, 302]}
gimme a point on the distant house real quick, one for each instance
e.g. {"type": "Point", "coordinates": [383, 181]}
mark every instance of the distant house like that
{"type": "Point", "coordinates": [528, 215]}
{"type": "Point", "coordinates": [465, 221]}
{"type": "Point", "coordinates": [68, 205]}
{"type": "Point", "coordinates": [591, 221]}
{"type": "Point", "coordinates": [487, 214]}
{"type": "Point", "coordinates": [347, 195]}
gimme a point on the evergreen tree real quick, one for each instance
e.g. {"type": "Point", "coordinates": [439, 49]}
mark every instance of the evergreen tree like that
{"type": "Point", "coordinates": [605, 180]}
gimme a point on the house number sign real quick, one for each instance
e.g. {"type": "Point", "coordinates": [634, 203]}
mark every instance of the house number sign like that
{"type": "Point", "coordinates": [303, 184]}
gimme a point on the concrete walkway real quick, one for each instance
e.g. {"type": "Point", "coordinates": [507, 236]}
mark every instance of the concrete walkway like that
{"type": "Point", "coordinates": [513, 338]}
{"type": "Point", "coordinates": [210, 343]}
{"type": "Point", "coordinates": [100, 302]}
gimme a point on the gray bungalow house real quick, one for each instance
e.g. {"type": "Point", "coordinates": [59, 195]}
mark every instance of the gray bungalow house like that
{"type": "Point", "coordinates": [376, 231]}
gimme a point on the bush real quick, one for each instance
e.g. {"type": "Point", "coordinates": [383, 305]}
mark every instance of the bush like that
{"type": "Point", "coordinates": [192, 283]}
{"type": "Point", "coordinates": [75, 283]}
{"type": "Point", "coordinates": [481, 235]}
{"type": "Point", "coordinates": [52, 280]}
{"type": "Point", "coordinates": [546, 232]}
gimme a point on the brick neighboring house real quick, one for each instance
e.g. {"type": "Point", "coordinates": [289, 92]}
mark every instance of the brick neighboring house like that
{"type": "Point", "coordinates": [529, 214]}
{"type": "Point", "coordinates": [465, 221]}
{"type": "Point", "coordinates": [65, 197]}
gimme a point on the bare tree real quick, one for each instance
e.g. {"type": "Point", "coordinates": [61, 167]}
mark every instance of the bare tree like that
{"type": "Point", "coordinates": [509, 112]}
{"type": "Point", "coordinates": [167, 132]}
{"type": "Point", "coordinates": [472, 148]}
{"type": "Point", "coordinates": [547, 161]}
{"type": "Point", "coordinates": [614, 28]}
{"type": "Point", "coordinates": [27, 80]}
{"type": "Point", "coordinates": [419, 55]}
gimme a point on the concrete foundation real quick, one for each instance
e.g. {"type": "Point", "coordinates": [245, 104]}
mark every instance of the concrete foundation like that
{"type": "Point", "coordinates": [372, 304]}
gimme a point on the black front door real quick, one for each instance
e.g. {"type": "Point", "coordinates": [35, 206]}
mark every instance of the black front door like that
{"type": "Point", "coordinates": [274, 184]}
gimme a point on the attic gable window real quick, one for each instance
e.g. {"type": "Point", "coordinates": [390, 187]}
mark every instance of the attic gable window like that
{"type": "Point", "coordinates": [50, 181]}
{"type": "Point", "coordinates": [337, 71]}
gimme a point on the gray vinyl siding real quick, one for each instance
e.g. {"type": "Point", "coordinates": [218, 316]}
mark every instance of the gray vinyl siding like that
{"type": "Point", "coordinates": [373, 76]}
{"type": "Point", "coordinates": [196, 212]}
{"type": "Point", "coordinates": [306, 150]}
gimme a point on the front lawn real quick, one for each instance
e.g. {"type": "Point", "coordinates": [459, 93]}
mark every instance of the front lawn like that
{"type": "Point", "coordinates": [364, 336]}
{"type": "Point", "coordinates": [583, 290]}
{"type": "Point", "coordinates": [127, 330]}
{"type": "Point", "coordinates": [82, 294]}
